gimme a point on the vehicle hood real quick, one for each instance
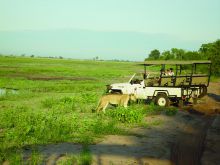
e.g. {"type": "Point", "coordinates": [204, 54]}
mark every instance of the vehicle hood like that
{"type": "Point", "coordinates": [119, 85]}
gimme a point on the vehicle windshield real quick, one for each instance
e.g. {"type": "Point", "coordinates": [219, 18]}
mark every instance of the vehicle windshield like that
{"type": "Point", "coordinates": [137, 78]}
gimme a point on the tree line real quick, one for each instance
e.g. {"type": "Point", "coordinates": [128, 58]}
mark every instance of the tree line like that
{"type": "Point", "coordinates": [209, 51]}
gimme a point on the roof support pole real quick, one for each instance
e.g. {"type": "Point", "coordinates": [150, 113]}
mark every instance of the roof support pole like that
{"type": "Point", "coordinates": [195, 69]}
{"type": "Point", "coordinates": [210, 68]}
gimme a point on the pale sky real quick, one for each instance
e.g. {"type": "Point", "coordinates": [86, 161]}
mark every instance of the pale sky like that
{"type": "Point", "coordinates": [191, 22]}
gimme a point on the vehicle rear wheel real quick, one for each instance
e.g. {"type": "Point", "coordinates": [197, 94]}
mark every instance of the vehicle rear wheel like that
{"type": "Point", "coordinates": [162, 100]}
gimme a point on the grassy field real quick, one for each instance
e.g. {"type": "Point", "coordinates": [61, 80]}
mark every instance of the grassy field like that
{"type": "Point", "coordinates": [46, 101]}
{"type": "Point", "coordinates": [51, 100]}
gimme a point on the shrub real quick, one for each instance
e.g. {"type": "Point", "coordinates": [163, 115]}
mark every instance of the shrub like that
{"type": "Point", "coordinates": [85, 157]}
{"type": "Point", "coordinates": [171, 111]}
{"type": "Point", "coordinates": [129, 115]}
{"type": "Point", "coordinates": [102, 127]}
{"type": "Point", "coordinates": [152, 109]}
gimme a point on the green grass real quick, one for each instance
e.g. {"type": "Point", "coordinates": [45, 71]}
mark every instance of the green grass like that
{"type": "Point", "coordinates": [54, 103]}
{"type": "Point", "coordinates": [132, 114]}
{"type": "Point", "coordinates": [83, 158]}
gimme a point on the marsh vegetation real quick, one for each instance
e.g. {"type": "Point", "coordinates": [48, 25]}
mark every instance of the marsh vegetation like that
{"type": "Point", "coordinates": [53, 103]}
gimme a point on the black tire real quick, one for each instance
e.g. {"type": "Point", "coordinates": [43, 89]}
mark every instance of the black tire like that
{"type": "Point", "coordinates": [162, 100]}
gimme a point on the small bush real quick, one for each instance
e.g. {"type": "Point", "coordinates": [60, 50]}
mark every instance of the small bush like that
{"type": "Point", "coordinates": [171, 111]}
{"type": "Point", "coordinates": [155, 110]}
{"type": "Point", "coordinates": [128, 115]}
{"type": "Point", "coordinates": [152, 109]}
{"type": "Point", "coordinates": [15, 158]}
{"type": "Point", "coordinates": [101, 127]}
{"type": "Point", "coordinates": [85, 157]}
{"type": "Point", "coordinates": [69, 159]}
{"type": "Point", "coordinates": [48, 103]}
{"type": "Point", "coordinates": [35, 158]}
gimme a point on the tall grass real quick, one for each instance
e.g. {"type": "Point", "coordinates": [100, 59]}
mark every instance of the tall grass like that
{"type": "Point", "coordinates": [59, 110]}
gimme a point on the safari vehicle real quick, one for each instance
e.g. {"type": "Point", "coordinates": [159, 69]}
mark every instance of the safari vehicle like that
{"type": "Point", "coordinates": [189, 81]}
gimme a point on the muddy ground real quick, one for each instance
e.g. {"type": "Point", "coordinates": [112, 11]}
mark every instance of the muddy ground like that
{"type": "Point", "coordinates": [191, 137]}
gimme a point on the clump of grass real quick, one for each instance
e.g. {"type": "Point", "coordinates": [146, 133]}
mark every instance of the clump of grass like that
{"type": "Point", "coordinates": [48, 103]}
{"type": "Point", "coordinates": [86, 101]}
{"type": "Point", "coordinates": [171, 111]}
{"type": "Point", "coordinates": [15, 158]}
{"type": "Point", "coordinates": [152, 109]}
{"type": "Point", "coordinates": [81, 103]}
{"type": "Point", "coordinates": [102, 127]}
{"type": "Point", "coordinates": [68, 160]}
{"type": "Point", "coordinates": [85, 157]}
{"type": "Point", "coordinates": [35, 158]}
{"type": "Point", "coordinates": [127, 115]}
{"type": "Point", "coordinates": [63, 104]}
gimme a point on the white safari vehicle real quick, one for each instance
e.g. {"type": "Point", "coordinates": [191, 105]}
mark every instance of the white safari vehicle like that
{"type": "Point", "coordinates": [184, 83]}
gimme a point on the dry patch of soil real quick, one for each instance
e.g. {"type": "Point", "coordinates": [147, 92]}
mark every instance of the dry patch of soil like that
{"type": "Point", "coordinates": [210, 104]}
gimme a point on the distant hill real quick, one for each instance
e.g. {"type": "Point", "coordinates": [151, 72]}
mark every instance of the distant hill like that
{"type": "Point", "coordinates": [86, 44]}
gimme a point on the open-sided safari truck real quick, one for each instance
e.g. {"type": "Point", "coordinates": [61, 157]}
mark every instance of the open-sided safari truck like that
{"type": "Point", "coordinates": [190, 79]}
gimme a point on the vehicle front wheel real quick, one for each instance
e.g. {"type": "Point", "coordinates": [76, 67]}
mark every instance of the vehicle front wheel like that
{"type": "Point", "coordinates": [162, 100]}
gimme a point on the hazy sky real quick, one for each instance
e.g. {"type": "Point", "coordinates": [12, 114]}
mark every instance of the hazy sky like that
{"type": "Point", "coordinates": [190, 21]}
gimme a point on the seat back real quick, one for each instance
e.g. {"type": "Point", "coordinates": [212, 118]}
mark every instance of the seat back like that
{"type": "Point", "coordinates": [203, 80]}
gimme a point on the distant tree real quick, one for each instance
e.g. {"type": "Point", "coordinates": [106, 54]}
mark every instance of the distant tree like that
{"type": "Point", "coordinates": [32, 56]}
{"type": "Point", "coordinates": [166, 55]}
{"type": "Point", "coordinates": [211, 51]}
{"type": "Point", "coordinates": [154, 55]}
{"type": "Point", "coordinates": [205, 50]}
{"type": "Point", "coordinates": [177, 53]}
{"type": "Point", "coordinates": [60, 57]}
{"type": "Point", "coordinates": [191, 55]}
{"type": "Point", "coordinates": [96, 58]}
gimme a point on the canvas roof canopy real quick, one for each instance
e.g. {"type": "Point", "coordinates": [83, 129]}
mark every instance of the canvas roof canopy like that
{"type": "Point", "coordinates": [171, 62]}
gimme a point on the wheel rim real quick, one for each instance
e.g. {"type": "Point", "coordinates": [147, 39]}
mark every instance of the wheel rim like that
{"type": "Point", "coordinates": [161, 101]}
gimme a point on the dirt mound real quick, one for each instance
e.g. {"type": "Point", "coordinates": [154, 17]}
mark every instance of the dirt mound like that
{"type": "Point", "coordinates": [208, 106]}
